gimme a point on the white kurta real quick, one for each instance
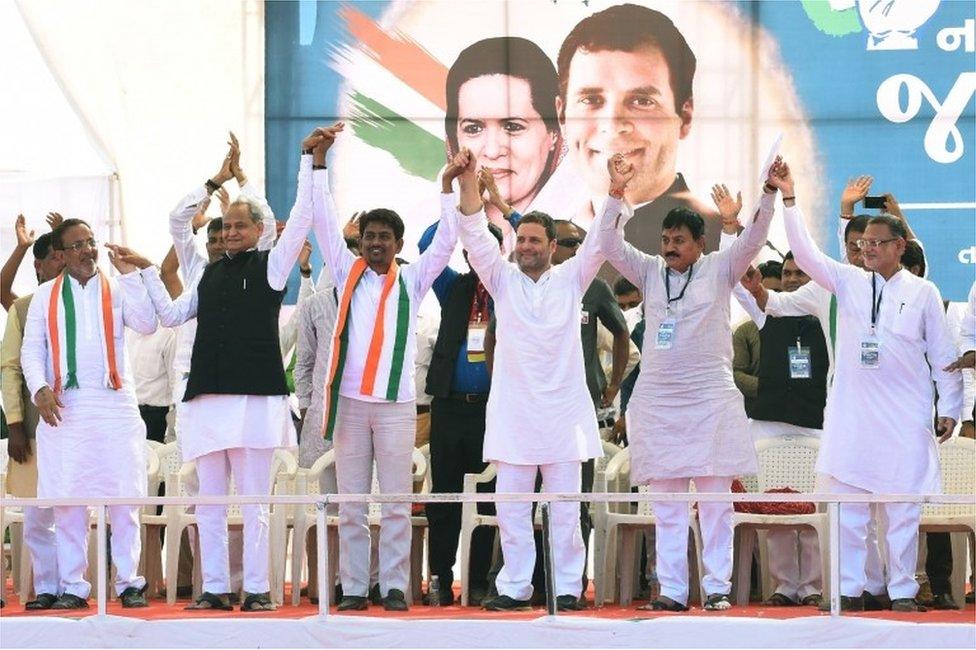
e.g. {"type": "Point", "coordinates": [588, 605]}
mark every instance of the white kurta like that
{"type": "Point", "coordinates": [215, 422]}
{"type": "Point", "coordinates": [878, 431]}
{"type": "Point", "coordinates": [98, 449]}
{"type": "Point", "coordinates": [418, 278]}
{"type": "Point", "coordinates": [539, 409]}
{"type": "Point", "coordinates": [686, 417]}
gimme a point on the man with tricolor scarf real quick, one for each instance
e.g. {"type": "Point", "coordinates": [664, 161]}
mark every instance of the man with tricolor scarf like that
{"type": "Point", "coordinates": [91, 439]}
{"type": "Point", "coordinates": [370, 394]}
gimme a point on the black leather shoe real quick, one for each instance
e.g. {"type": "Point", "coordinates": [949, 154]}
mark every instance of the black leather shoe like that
{"type": "Point", "coordinates": [353, 603]}
{"type": "Point", "coordinates": [943, 601]}
{"type": "Point", "coordinates": [879, 603]}
{"type": "Point", "coordinates": [395, 601]}
{"type": "Point", "coordinates": [847, 604]}
{"type": "Point", "coordinates": [568, 603]}
{"type": "Point", "coordinates": [476, 595]}
{"type": "Point", "coordinates": [375, 598]}
{"type": "Point", "coordinates": [907, 605]}
{"type": "Point", "coordinates": [132, 597]}
{"type": "Point", "coordinates": [43, 601]}
{"type": "Point", "coordinates": [506, 604]}
{"type": "Point", "coordinates": [70, 601]}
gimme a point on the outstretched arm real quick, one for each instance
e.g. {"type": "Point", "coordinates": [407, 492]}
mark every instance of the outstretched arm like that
{"type": "Point", "coordinates": [484, 254]}
{"type": "Point", "coordinates": [814, 262]}
{"type": "Point", "coordinates": [325, 222]}
{"type": "Point", "coordinates": [170, 312]}
{"type": "Point", "coordinates": [25, 240]}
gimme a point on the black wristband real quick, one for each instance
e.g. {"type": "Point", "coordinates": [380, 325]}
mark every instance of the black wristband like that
{"type": "Point", "coordinates": [318, 167]}
{"type": "Point", "coordinates": [307, 152]}
{"type": "Point", "coordinates": [305, 274]}
{"type": "Point", "coordinates": [211, 186]}
{"type": "Point", "coordinates": [789, 198]}
{"type": "Point", "coordinates": [769, 189]}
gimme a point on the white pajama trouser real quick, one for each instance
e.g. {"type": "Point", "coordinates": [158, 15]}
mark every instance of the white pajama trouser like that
{"type": "Point", "coordinates": [672, 537]}
{"type": "Point", "coordinates": [71, 526]}
{"type": "Point", "coordinates": [42, 545]}
{"type": "Point", "coordinates": [251, 469]}
{"type": "Point", "coordinates": [794, 562]}
{"type": "Point", "coordinates": [901, 543]}
{"type": "Point", "coordinates": [384, 432]}
{"type": "Point", "coordinates": [517, 532]}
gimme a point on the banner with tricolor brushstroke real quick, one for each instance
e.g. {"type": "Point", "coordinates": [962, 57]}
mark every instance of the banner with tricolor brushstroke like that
{"type": "Point", "coordinates": [855, 87]}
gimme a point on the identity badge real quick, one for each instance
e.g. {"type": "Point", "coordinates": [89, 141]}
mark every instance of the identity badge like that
{"type": "Point", "coordinates": [870, 352]}
{"type": "Point", "coordinates": [665, 335]}
{"type": "Point", "coordinates": [800, 367]}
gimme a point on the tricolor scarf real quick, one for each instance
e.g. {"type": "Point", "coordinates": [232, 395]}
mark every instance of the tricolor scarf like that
{"type": "Point", "coordinates": [384, 360]}
{"type": "Point", "coordinates": [63, 334]}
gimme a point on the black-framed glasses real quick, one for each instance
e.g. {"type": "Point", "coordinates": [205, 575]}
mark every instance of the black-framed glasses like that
{"type": "Point", "coordinates": [569, 242]}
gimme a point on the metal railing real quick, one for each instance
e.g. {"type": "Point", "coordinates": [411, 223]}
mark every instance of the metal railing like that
{"type": "Point", "coordinates": [832, 501]}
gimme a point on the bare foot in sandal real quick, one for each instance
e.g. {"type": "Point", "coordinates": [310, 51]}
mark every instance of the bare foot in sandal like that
{"type": "Point", "coordinates": [257, 603]}
{"type": "Point", "coordinates": [663, 604]}
{"type": "Point", "coordinates": [208, 600]}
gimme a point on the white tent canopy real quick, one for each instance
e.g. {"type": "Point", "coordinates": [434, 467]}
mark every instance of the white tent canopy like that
{"type": "Point", "coordinates": [49, 160]}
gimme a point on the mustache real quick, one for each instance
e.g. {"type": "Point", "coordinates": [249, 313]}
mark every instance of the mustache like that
{"type": "Point", "coordinates": [671, 255]}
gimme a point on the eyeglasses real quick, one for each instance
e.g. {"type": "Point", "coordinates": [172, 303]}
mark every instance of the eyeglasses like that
{"type": "Point", "coordinates": [569, 242]}
{"type": "Point", "coordinates": [80, 245]}
{"type": "Point", "coordinates": [873, 243]}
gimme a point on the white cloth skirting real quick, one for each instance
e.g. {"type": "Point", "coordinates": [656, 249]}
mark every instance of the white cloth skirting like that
{"type": "Point", "coordinates": [98, 448]}
{"type": "Point", "coordinates": [215, 422]}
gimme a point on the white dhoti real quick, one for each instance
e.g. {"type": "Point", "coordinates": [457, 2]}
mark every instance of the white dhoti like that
{"type": "Point", "coordinates": [235, 434]}
{"type": "Point", "coordinates": [672, 537]}
{"type": "Point", "coordinates": [42, 544]}
{"type": "Point", "coordinates": [97, 450]}
{"type": "Point", "coordinates": [901, 543]}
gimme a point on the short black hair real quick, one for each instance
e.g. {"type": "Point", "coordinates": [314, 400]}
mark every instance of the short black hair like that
{"type": "Point", "coordinates": [623, 286]}
{"type": "Point", "coordinates": [788, 256]}
{"type": "Point", "coordinates": [771, 269]}
{"type": "Point", "coordinates": [383, 216]}
{"type": "Point", "coordinates": [57, 235]}
{"type": "Point", "coordinates": [626, 28]}
{"type": "Point", "coordinates": [858, 223]}
{"type": "Point", "coordinates": [496, 232]}
{"type": "Point", "coordinates": [894, 224]}
{"type": "Point", "coordinates": [690, 219]}
{"type": "Point", "coordinates": [215, 225]}
{"type": "Point", "coordinates": [42, 246]}
{"type": "Point", "coordinates": [914, 255]}
{"type": "Point", "coordinates": [543, 220]}
{"type": "Point", "coordinates": [504, 55]}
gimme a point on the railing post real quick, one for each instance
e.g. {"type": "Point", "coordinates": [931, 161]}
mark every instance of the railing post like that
{"type": "Point", "coordinates": [833, 518]}
{"type": "Point", "coordinates": [100, 537]}
{"type": "Point", "coordinates": [322, 567]}
{"type": "Point", "coordinates": [547, 558]}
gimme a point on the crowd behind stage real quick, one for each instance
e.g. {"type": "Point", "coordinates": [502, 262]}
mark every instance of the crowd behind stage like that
{"type": "Point", "coordinates": [533, 367]}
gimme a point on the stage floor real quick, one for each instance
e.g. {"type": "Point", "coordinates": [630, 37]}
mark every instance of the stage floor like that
{"type": "Point", "coordinates": [160, 625]}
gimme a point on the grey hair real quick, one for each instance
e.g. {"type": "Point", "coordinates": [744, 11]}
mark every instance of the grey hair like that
{"type": "Point", "coordinates": [253, 209]}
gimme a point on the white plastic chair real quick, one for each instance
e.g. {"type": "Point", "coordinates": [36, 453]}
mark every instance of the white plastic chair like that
{"type": "Point", "coordinates": [283, 470]}
{"type": "Point", "coordinates": [957, 457]}
{"type": "Point", "coordinates": [787, 461]}
{"type": "Point", "coordinates": [621, 533]}
{"type": "Point", "coordinates": [151, 524]}
{"type": "Point", "coordinates": [598, 515]}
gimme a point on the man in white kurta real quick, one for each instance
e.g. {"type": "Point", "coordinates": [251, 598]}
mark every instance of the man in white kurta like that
{"type": "Point", "coordinates": [540, 414]}
{"type": "Point", "coordinates": [226, 431]}
{"type": "Point", "coordinates": [686, 419]}
{"type": "Point", "coordinates": [370, 390]}
{"type": "Point", "coordinates": [878, 435]}
{"type": "Point", "coordinates": [91, 440]}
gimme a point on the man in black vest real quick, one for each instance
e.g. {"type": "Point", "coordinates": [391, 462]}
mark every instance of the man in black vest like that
{"type": "Point", "coordinates": [790, 399]}
{"type": "Point", "coordinates": [459, 382]}
{"type": "Point", "coordinates": [236, 398]}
